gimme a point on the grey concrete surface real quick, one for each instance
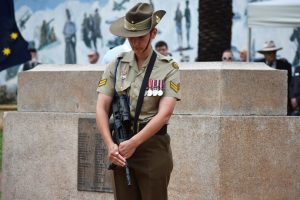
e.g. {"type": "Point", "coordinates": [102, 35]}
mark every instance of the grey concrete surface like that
{"type": "Point", "coordinates": [229, 136]}
{"type": "Point", "coordinates": [235, 157]}
{"type": "Point", "coordinates": [215, 157]}
{"type": "Point", "coordinates": [40, 157]}
{"type": "Point", "coordinates": [207, 88]}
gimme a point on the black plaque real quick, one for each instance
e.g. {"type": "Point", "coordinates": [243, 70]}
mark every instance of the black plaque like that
{"type": "Point", "coordinates": [92, 159]}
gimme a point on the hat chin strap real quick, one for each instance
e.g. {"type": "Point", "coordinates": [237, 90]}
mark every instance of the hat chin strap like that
{"type": "Point", "coordinates": [148, 42]}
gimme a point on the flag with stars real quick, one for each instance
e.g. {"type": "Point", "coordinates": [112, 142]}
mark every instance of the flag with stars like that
{"type": "Point", "coordinates": [13, 47]}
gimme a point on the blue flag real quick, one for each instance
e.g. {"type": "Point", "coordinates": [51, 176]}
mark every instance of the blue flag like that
{"type": "Point", "coordinates": [13, 47]}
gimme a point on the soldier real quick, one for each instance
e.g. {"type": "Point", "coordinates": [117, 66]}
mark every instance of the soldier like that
{"type": "Point", "coordinates": [147, 152]}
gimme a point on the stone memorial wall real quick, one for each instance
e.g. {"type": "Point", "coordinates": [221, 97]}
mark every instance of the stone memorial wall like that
{"type": "Point", "coordinates": [230, 136]}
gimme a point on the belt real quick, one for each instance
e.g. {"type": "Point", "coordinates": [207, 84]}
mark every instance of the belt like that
{"type": "Point", "coordinates": [162, 131]}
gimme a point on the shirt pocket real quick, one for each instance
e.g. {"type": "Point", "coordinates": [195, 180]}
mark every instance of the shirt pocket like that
{"type": "Point", "coordinates": [122, 86]}
{"type": "Point", "coordinates": [150, 105]}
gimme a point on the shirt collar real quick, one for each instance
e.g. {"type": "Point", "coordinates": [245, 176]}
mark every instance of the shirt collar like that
{"type": "Point", "coordinates": [130, 58]}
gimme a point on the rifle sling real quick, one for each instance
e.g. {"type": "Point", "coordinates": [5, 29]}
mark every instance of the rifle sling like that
{"type": "Point", "coordinates": [142, 91]}
{"type": "Point", "coordinates": [115, 77]}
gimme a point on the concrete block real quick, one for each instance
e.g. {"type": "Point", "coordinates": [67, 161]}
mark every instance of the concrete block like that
{"type": "Point", "coordinates": [40, 157]}
{"type": "Point", "coordinates": [59, 88]}
{"type": "Point", "coordinates": [237, 88]}
{"type": "Point", "coordinates": [208, 88]}
{"type": "Point", "coordinates": [235, 157]}
{"type": "Point", "coordinates": [215, 157]}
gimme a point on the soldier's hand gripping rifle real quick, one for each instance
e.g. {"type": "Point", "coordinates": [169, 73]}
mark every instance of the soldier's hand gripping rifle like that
{"type": "Point", "coordinates": [121, 126]}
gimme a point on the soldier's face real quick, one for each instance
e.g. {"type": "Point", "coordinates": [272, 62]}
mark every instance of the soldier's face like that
{"type": "Point", "coordinates": [139, 44]}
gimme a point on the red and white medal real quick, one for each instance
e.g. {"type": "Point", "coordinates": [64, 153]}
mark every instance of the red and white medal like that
{"type": "Point", "coordinates": [161, 87]}
{"type": "Point", "coordinates": [155, 89]}
{"type": "Point", "coordinates": [150, 84]}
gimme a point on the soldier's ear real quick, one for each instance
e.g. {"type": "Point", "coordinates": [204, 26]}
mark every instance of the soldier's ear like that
{"type": "Point", "coordinates": [153, 33]}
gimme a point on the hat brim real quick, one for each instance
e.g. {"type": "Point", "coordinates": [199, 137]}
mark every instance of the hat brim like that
{"type": "Point", "coordinates": [266, 50]}
{"type": "Point", "coordinates": [117, 27]}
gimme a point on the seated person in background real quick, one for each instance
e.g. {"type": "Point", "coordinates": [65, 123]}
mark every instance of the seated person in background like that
{"type": "Point", "coordinates": [33, 62]}
{"type": "Point", "coordinates": [93, 57]}
{"type": "Point", "coordinates": [162, 48]}
{"type": "Point", "coordinates": [269, 51]}
{"type": "Point", "coordinates": [227, 56]}
{"type": "Point", "coordinates": [243, 55]}
{"type": "Point", "coordinates": [295, 93]}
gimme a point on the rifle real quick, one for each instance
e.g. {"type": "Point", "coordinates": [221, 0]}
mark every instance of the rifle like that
{"type": "Point", "coordinates": [121, 126]}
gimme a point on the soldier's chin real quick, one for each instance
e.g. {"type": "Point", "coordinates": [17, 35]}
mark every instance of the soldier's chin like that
{"type": "Point", "coordinates": [138, 50]}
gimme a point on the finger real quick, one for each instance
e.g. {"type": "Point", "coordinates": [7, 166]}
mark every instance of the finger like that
{"type": "Point", "coordinates": [119, 162]}
{"type": "Point", "coordinates": [120, 157]}
{"type": "Point", "coordinates": [117, 159]}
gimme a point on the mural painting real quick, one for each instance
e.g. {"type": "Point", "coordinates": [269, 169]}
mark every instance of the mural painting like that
{"type": "Point", "coordinates": [64, 32]}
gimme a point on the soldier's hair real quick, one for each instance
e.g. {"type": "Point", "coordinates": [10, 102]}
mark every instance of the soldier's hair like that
{"type": "Point", "coordinates": [161, 43]}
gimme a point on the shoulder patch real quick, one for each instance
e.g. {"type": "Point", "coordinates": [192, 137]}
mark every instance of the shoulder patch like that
{"type": "Point", "coordinates": [175, 65]}
{"type": "Point", "coordinates": [102, 82]}
{"type": "Point", "coordinates": [175, 87]}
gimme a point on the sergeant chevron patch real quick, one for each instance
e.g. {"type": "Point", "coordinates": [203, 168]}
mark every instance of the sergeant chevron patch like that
{"type": "Point", "coordinates": [102, 82]}
{"type": "Point", "coordinates": [175, 87]}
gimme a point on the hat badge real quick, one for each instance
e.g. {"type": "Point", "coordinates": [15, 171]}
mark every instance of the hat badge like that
{"type": "Point", "coordinates": [157, 19]}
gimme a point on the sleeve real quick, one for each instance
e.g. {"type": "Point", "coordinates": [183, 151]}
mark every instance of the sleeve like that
{"type": "Point", "coordinates": [106, 84]}
{"type": "Point", "coordinates": [172, 83]}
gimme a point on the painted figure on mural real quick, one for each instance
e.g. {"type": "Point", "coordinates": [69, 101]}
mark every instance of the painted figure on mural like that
{"type": "Point", "coordinates": [69, 32]}
{"type": "Point", "coordinates": [97, 19]}
{"type": "Point", "coordinates": [120, 6]}
{"type": "Point", "coordinates": [92, 32]}
{"type": "Point", "coordinates": [187, 15]}
{"type": "Point", "coordinates": [178, 22]}
{"type": "Point", "coordinates": [23, 20]}
{"type": "Point", "coordinates": [85, 30]}
{"type": "Point", "coordinates": [47, 34]}
{"type": "Point", "coordinates": [43, 33]}
{"type": "Point", "coordinates": [296, 37]}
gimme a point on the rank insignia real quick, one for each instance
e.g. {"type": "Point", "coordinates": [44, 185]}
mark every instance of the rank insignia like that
{"type": "Point", "coordinates": [175, 87]}
{"type": "Point", "coordinates": [102, 82]}
{"type": "Point", "coordinates": [175, 65]}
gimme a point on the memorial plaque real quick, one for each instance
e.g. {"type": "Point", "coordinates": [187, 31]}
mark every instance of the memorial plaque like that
{"type": "Point", "coordinates": [93, 174]}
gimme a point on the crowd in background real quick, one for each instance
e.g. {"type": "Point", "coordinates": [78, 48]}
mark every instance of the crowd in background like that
{"type": "Point", "coordinates": [270, 58]}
